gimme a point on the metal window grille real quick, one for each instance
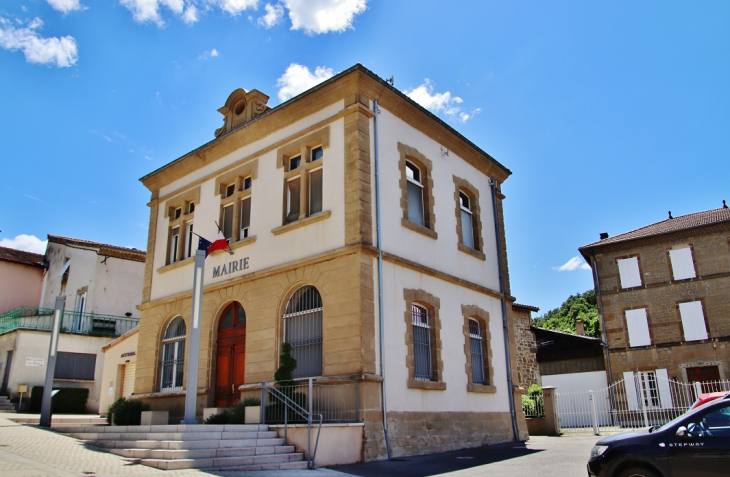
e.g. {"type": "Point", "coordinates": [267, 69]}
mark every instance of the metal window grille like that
{"type": "Point", "coordinates": [172, 365]}
{"type": "Point", "coordinates": [476, 345]}
{"type": "Point", "coordinates": [303, 329]}
{"type": "Point", "coordinates": [422, 343]}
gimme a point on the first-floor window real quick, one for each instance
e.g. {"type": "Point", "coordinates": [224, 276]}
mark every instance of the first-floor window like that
{"type": "Point", "coordinates": [174, 244]}
{"type": "Point", "coordinates": [292, 209]}
{"type": "Point", "coordinates": [303, 330]}
{"type": "Point", "coordinates": [421, 343]}
{"type": "Point", "coordinates": [476, 347]}
{"type": "Point", "coordinates": [315, 191]}
{"type": "Point", "coordinates": [172, 363]}
{"type": "Point", "coordinates": [245, 217]}
{"type": "Point", "coordinates": [75, 366]}
{"type": "Point", "coordinates": [227, 220]}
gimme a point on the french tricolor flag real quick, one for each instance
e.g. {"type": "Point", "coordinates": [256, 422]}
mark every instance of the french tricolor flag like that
{"type": "Point", "coordinates": [220, 243]}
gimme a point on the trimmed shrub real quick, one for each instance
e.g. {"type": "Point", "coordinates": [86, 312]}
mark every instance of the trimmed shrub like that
{"type": "Point", "coordinates": [66, 400]}
{"type": "Point", "coordinates": [236, 414]}
{"type": "Point", "coordinates": [128, 412]}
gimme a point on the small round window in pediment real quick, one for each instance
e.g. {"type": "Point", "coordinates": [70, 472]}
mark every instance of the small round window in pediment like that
{"type": "Point", "coordinates": [239, 107]}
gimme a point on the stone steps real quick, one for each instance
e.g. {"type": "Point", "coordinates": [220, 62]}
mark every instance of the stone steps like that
{"type": "Point", "coordinates": [6, 405]}
{"type": "Point", "coordinates": [213, 447]}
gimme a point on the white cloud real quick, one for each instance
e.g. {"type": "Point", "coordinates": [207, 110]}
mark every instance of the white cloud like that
{"type": "Point", "coordinates": [441, 102]}
{"type": "Point", "coordinates": [27, 243]}
{"type": "Point", "coordinates": [274, 14]}
{"type": "Point", "coordinates": [190, 15]}
{"type": "Point", "coordinates": [298, 79]}
{"type": "Point", "coordinates": [208, 54]}
{"type": "Point", "coordinates": [66, 6]}
{"type": "Point", "coordinates": [575, 263]}
{"type": "Point", "coordinates": [144, 11]}
{"type": "Point", "coordinates": [323, 16]}
{"type": "Point", "coordinates": [234, 7]}
{"type": "Point", "coordinates": [61, 52]}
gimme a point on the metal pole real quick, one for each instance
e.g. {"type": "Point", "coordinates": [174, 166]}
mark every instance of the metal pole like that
{"type": "Point", "coordinates": [45, 420]}
{"type": "Point", "coordinates": [376, 110]}
{"type": "Point", "coordinates": [191, 391]}
{"type": "Point", "coordinates": [593, 413]}
{"type": "Point", "coordinates": [309, 424]}
{"type": "Point", "coordinates": [510, 390]}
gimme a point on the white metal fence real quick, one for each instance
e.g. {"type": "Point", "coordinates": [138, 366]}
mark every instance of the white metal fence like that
{"type": "Point", "coordinates": [639, 400]}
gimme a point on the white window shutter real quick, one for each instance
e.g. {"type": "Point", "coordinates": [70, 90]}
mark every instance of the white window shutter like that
{"type": "Point", "coordinates": [631, 394]}
{"type": "Point", "coordinates": [628, 270]}
{"type": "Point", "coordinates": [638, 327]}
{"type": "Point", "coordinates": [665, 393]}
{"type": "Point", "coordinates": [693, 321]}
{"type": "Point", "coordinates": [682, 265]}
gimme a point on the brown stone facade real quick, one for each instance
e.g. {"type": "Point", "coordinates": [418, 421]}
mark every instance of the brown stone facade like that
{"type": "Point", "coordinates": [528, 371]}
{"type": "Point", "coordinates": [661, 296]}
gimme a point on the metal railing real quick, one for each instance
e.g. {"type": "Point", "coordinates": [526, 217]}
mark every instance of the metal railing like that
{"type": "Point", "coordinates": [41, 319]}
{"type": "Point", "coordinates": [533, 405]}
{"type": "Point", "coordinates": [337, 400]}
{"type": "Point", "coordinates": [646, 400]}
{"type": "Point", "coordinates": [280, 404]}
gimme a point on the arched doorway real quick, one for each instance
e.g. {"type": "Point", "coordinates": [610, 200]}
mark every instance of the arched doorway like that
{"type": "Point", "coordinates": [231, 359]}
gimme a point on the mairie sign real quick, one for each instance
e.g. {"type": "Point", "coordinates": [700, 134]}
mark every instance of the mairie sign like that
{"type": "Point", "coordinates": [230, 267]}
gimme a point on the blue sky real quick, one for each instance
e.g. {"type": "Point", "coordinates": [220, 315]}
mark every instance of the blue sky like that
{"type": "Point", "coordinates": [609, 114]}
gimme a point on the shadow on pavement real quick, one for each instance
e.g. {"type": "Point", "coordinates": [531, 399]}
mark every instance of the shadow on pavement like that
{"type": "Point", "coordinates": [432, 464]}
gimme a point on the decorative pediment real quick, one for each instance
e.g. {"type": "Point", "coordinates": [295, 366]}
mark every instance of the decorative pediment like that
{"type": "Point", "coordinates": [241, 107]}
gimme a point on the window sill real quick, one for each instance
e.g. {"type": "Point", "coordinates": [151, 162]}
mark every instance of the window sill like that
{"type": "Point", "coordinates": [176, 265]}
{"type": "Point", "coordinates": [419, 228]}
{"type": "Point", "coordinates": [481, 388]}
{"type": "Point", "coordinates": [426, 385]}
{"type": "Point", "coordinates": [473, 252]}
{"type": "Point", "coordinates": [243, 243]}
{"type": "Point", "coordinates": [302, 222]}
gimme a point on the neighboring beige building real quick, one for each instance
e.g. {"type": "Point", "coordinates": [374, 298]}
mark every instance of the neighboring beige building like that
{"type": "Point", "coordinates": [21, 278]}
{"type": "Point", "coordinates": [293, 189]}
{"type": "Point", "coordinates": [664, 295]}
{"type": "Point", "coordinates": [102, 286]}
{"type": "Point", "coordinates": [120, 366]}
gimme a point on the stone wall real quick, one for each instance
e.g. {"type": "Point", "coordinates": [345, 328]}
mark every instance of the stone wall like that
{"type": "Point", "coordinates": [528, 371]}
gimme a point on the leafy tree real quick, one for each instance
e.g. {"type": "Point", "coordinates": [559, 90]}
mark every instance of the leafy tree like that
{"type": "Point", "coordinates": [580, 306]}
{"type": "Point", "coordinates": [284, 375]}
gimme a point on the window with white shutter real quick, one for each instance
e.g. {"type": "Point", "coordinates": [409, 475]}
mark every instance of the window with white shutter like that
{"type": "Point", "coordinates": [682, 265]}
{"type": "Point", "coordinates": [638, 327]}
{"type": "Point", "coordinates": [628, 269]}
{"type": "Point", "coordinates": [693, 321]}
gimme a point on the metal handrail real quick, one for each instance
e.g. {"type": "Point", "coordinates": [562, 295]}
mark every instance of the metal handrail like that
{"type": "Point", "coordinates": [297, 409]}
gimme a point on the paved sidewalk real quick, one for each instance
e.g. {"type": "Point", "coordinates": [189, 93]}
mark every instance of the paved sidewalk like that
{"type": "Point", "coordinates": [30, 451]}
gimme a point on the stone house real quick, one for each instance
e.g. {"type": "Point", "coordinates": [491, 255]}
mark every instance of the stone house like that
{"type": "Point", "coordinates": [664, 298]}
{"type": "Point", "coordinates": [102, 286]}
{"type": "Point", "coordinates": [293, 189]}
{"type": "Point", "coordinates": [528, 370]}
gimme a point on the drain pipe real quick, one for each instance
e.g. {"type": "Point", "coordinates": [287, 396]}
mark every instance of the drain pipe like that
{"type": "Point", "coordinates": [376, 110]}
{"type": "Point", "coordinates": [510, 391]}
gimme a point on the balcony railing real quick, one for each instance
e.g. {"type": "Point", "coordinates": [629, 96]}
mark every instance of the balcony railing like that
{"type": "Point", "coordinates": [41, 319]}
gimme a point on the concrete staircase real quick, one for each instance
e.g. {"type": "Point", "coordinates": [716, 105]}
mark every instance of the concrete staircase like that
{"type": "Point", "coordinates": [6, 405]}
{"type": "Point", "coordinates": [210, 447]}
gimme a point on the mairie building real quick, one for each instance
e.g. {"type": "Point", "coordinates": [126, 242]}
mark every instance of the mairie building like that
{"type": "Point", "coordinates": [420, 319]}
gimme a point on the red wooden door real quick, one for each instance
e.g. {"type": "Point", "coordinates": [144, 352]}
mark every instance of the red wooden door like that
{"type": "Point", "coordinates": [231, 359]}
{"type": "Point", "coordinates": [704, 374]}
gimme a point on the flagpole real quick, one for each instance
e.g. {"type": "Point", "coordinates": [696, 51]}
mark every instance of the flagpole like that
{"type": "Point", "coordinates": [191, 390]}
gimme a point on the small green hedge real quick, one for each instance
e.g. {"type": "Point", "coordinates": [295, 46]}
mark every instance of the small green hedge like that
{"type": "Point", "coordinates": [66, 400]}
{"type": "Point", "coordinates": [235, 415]}
{"type": "Point", "coordinates": [126, 412]}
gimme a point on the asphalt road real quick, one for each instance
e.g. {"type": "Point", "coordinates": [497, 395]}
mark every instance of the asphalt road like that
{"type": "Point", "coordinates": [564, 456]}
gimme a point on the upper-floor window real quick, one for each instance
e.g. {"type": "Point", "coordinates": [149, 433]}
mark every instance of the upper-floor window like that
{"type": "Point", "coordinates": [303, 185]}
{"type": "Point", "coordinates": [180, 211]}
{"type": "Point", "coordinates": [637, 325]}
{"type": "Point", "coordinates": [236, 189]}
{"type": "Point", "coordinates": [467, 228]}
{"type": "Point", "coordinates": [693, 321]}
{"type": "Point", "coordinates": [415, 194]}
{"type": "Point", "coordinates": [628, 269]}
{"type": "Point", "coordinates": [416, 191]}
{"type": "Point", "coordinates": [682, 264]}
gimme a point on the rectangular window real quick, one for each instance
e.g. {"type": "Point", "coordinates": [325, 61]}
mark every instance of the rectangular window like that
{"type": "Point", "coordinates": [693, 321]}
{"type": "Point", "coordinates": [628, 269]}
{"type": "Point", "coordinates": [227, 222]}
{"type": "Point", "coordinates": [247, 183]}
{"type": "Point", "coordinates": [245, 217]}
{"type": "Point", "coordinates": [422, 343]}
{"type": "Point", "coordinates": [75, 366]}
{"type": "Point", "coordinates": [177, 213]}
{"type": "Point", "coordinates": [317, 153]}
{"type": "Point", "coordinates": [415, 194]}
{"type": "Point", "coordinates": [292, 207]}
{"type": "Point", "coordinates": [189, 249]}
{"type": "Point", "coordinates": [230, 190]}
{"type": "Point", "coordinates": [315, 191]}
{"type": "Point", "coordinates": [477, 353]}
{"type": "Point", "coordinates": [651, 389]}
{"type": "Point", "coordinates": [467, 230]}
{"type": "Point", "coordinates": [174, 244]}
{"type": "Point", "coordinates": [294, 162]}
{"type": "Point", "coordinates": [638, 327]}
{"type": "Point", "coordinates": [682, 265]}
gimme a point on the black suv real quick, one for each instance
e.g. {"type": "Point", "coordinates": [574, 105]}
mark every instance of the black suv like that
{"type": "Point", "coordinates": [695, 444]}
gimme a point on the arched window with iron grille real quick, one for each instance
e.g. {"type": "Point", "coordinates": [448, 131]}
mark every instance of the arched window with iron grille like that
{"type": "Point", "coordinates": [172, 364]}
{"type": "Point", "coordinates": [303, 329]}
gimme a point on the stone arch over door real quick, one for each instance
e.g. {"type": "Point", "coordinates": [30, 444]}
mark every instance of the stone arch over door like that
{"type": "Point", "coordinates": [230, 355]}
